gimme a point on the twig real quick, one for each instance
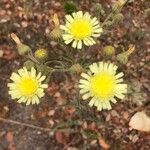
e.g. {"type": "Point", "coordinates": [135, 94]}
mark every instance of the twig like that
{"type": "Point", "coordinates": [25, 124]}
{"type": "Point", "coordinates": [38, 128]}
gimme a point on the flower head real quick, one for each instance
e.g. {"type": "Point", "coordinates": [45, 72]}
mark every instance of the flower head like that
{"type": "Point", "coordinates": [102, 84]}
{"type": "Point", "coordinates": [27, 87]}
{"type": "Point", "coordinates": [80, 28]}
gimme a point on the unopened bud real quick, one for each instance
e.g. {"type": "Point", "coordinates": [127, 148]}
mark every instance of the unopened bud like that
{"type": "Point", "coordinates": [23, 49]}
{"type": "Point", "coordinates": [41, 54]}
{"type": "Point", "coordinates": [117, 18]}
{"type": "Point", "coordinates": [108, 51]}
{"type": "Point", "coordinates": [122, 58]}
{"type": "Point", "coordinates": [76, 68]}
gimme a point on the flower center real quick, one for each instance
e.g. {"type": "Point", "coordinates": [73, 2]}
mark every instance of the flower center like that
{"type": "Point", "coordinates": [81, 29]}
{"type": "Point", "coordinates": [28, 86]}
{"type": "Point", "coordinates": [102, 85]}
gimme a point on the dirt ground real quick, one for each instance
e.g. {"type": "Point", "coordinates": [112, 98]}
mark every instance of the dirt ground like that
{"type": "Point", "coordinates": [72, 129]}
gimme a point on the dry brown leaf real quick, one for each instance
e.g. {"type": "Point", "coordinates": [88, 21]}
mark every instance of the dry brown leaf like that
{"type": "Point", "coordinates": [51, 113]}
{"type": "Point", "coordinates": [9, 55]}
{"type": "Point", "coordinates": [15, 38]}
{"type": "Point", "coordinates": [103, 143]}
{"type": "Point", "coordinates": [130, 50]}
{"type": "Point", "coordinates": [140, 121]}
{"type": "Point", "coordinates": [1, 53]}
{"type": "Point", "coordinates": [69, 110]}
{"type": "Point", "coordinates": [9, 137]}
{"type": "Point", "coordinates": [85, 125]}
{"type": "Point", "coordinates": [62, 137]}
{"type": "Point", "coordinates": [59, 137]}
{"type": "Point", "coordinates": [92, 127]}
{"type": "Point", "coordinates": [56, 20]}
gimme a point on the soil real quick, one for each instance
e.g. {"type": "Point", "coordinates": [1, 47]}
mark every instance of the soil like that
{"type": "Point", "coordinates": [72, 128]}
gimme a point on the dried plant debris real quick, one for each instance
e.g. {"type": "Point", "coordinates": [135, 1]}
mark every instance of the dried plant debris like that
{"type": "Point", "coordinates": [135, 93]}
{"type": "Point", "coordinates": [140, 121]}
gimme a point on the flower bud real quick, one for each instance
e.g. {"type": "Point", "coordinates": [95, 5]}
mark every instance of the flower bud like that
{"type": "Point", "coordinates": [23, 49]}
{"type": "Point", "coordinates": [117, 18]}
{"type": "Point", "coordinates": [122, 58]}
{"type": "Point", "coordinates": [41, 54]}
{"type": "Point", "coordinates": [108, 51]}
{"type": "Point", "coordinates": [76, 68]}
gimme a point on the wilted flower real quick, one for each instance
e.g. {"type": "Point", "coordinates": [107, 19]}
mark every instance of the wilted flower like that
{"type": "Point", "coordinates": [56, 33]}
{"type": "Point", "coordinates": [22, 48]}
{"type": "Point", "coordinates": [123, 57]}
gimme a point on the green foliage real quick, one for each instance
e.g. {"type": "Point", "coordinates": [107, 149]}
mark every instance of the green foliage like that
{"type": "Point", "coordinates": [29, 64]}
{"type": "Point", "coordinates": [135, 95]}
{"type": "Point", "coordinates": [69, 7]}
{"type": "Point", "coordinates": [117, 18]}
{"type": "Point", "coordinates": [90, 134]}
{"type": "Point", "coordinates": [70, 60]}
{"type": "Point", "coordinates": [135, 35]}
{"type": "Point", "coordinates": [98, 10]}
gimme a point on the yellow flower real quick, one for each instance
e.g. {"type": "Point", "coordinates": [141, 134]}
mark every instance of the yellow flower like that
{"type": "Point", "coordinates": [103, 84]}
{"type": "Point", "coordinates": [81, 28]}
{"type": "Point", "coordinates": [27, 87]}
